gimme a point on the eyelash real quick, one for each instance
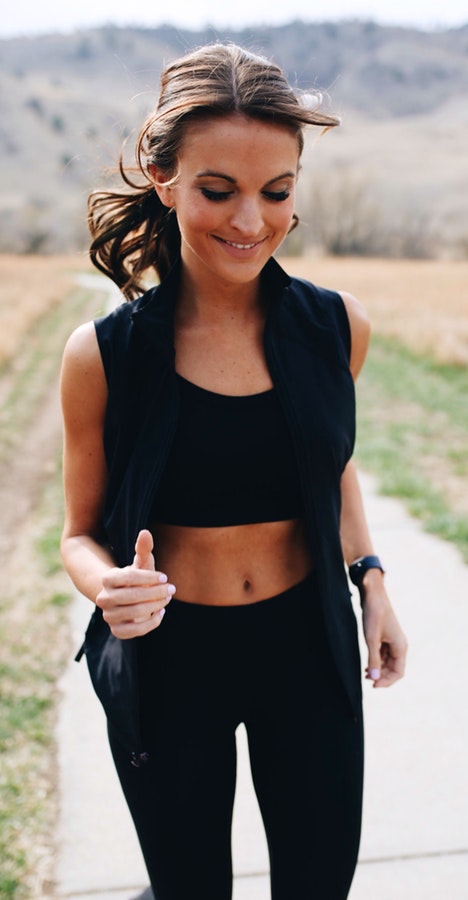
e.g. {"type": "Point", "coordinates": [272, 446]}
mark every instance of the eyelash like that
{"type": "Point", "coordinates": [219, 196]}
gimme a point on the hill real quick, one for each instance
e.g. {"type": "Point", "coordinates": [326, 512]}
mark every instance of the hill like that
{"type": "Point", "coordinates": [68, 101]}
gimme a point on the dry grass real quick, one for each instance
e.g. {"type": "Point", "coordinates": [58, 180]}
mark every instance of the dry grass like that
{"type": "Point", "coordinates": [424, 303]}
{"type": "Point", "coordinates": [413, 392]}
{"type": "Point", "coordinates": [34, 596]}
{"type": "Point", "coordinates": [29, 287]}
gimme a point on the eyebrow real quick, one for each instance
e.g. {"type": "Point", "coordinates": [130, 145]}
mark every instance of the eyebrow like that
{"type": "Point", "coordinates": [210, 173]}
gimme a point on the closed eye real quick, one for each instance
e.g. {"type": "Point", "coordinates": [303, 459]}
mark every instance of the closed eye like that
{"type": "Point", "coordinates": [277, 196]}
{"type": "Point", "coordinates": [219, 196]}
{"type": "Point", "coordinates": [216, 196]}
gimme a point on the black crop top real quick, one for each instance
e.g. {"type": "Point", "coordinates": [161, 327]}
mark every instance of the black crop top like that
{"type": "Point", "coordinates": [231, 463]}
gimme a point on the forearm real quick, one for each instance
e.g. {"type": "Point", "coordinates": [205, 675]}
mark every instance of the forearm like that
{"type": "Point", "coordinates": [86, 562]}
{"type": "Point", "coordinates": [355, 537]}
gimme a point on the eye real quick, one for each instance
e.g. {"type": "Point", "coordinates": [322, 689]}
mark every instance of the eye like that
{"type": "Point", "coordinates": [216, 196]}
{"type": "Point", "coordinates": [277, 196]}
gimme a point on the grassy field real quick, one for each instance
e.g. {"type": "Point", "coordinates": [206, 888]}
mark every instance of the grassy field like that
{"type": "Point", "coordinates": [413, 391]}
{"type": "Point", "coordinates": [34, 590]}
{"type": "Point", "coordinates": [30, 287]}
{"type": "Point", "coordinates": [413, 434]}
{"type": "Point", "coordinates": [423, 304]}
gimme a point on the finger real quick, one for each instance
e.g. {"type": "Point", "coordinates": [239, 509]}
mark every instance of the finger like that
{"type": "Point", "coordinates": [144, 558]}
{"type": "Point", "coordinates": [149, 618]}
{"type": "Point", "coordinates": [387, 678]}
{"type": "Point", "coordinates": [145, 611]}
{"type": "Point", "coordinates": [128, 602]}
{"type": "Point", "coordinates": [131, 577]}
{"type": "Point", "coordinates": [392, 671]}
{"type": "Point", "coordinates": [140, 614]}
{"type": "Point", "coordinates": [374, 663]}
{"type": "Point", "coordinates": [153, 617]}
{"type": "Point", "coordinates": [129, 629]}
{"type": "Point", "coordinates": [392, 667]}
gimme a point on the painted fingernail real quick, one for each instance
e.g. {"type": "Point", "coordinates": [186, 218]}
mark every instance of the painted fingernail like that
{"type": "Point", "coordinates": [162, 578]}
{"type": "Point", "coordinates": [374, 674]}
{"type": "Point", "coordinates": [162, 613]}
{"type": "Point", "coordinates": [171, 590]}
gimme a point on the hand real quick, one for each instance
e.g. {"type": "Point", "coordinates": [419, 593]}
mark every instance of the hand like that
{"type": "Point", "coordinates": [386, 642]}
{"type": "Point", "coordinates": [133, 599]}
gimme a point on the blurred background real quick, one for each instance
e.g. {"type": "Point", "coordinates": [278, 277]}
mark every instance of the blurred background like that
{"type": "Point", "coordinates": [75, 82]}
{"type": "Point", "coordinates": [383, 203]}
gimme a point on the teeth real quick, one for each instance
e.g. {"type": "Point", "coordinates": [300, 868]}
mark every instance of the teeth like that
{"type": "Point", "coordinates": [241, 246]}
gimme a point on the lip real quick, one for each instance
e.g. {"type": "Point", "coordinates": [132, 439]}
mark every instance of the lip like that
{"type": "Point", "coordinates": [240, 246]}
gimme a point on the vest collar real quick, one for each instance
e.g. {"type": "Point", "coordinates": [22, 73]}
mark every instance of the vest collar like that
{"type": "Point", "coordinates": [153, 314]}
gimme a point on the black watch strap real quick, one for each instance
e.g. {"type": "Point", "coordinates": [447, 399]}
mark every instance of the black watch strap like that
{"type": "Point", "coordinates": [360, 566]}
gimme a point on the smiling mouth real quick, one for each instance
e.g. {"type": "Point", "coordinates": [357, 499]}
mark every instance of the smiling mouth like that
{"type": "Point", "coordinates": [240, 246]}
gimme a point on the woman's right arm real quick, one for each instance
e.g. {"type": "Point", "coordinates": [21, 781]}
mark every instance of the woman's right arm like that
{"type": "Point", "coordinates": [132, 598]}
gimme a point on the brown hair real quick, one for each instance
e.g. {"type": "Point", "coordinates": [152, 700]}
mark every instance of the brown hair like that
{"type": "Point", "coordinates": [131, 230]}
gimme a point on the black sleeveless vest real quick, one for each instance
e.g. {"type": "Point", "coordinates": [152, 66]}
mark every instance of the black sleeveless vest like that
{"type": "Point", "coordinates": [307, 347]}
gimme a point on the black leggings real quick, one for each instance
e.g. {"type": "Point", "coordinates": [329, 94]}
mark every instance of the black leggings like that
{"type": "Point", "coordinates": [267, 664]}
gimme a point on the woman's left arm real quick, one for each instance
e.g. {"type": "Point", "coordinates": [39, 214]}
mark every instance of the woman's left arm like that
{"type": "Point", "coordinates": [384, 637]}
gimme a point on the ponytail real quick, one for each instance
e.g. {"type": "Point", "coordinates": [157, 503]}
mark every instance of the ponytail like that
{"type": "Point", "coordinates": [132, 232]}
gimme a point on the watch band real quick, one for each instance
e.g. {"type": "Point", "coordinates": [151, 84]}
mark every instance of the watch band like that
{"type": "Point", "coordinates": [360, 566]}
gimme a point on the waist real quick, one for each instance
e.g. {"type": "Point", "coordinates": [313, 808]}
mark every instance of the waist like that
{"type": "Point", "coordinates": [233, 565]}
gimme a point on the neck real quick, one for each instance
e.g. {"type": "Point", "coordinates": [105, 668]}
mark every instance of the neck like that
{"type": "Point", "coordinates": [217, 302]}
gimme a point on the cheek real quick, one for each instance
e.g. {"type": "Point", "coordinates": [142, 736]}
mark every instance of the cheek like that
{"type": "Point", "coordinates": [284, 215]}
{"type": "Point", "coordinates": [199, 217]}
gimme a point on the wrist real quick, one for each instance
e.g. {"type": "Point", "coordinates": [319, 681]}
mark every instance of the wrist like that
{"type": "Point", "coordinates": [366, 567]}
{"type": "Point", "coordinates": [372, 580]}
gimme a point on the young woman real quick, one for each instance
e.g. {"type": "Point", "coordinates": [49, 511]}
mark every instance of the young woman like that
{"type": "Point", "coordinates": [209, 427]}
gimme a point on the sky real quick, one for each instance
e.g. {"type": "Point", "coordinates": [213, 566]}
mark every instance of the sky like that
{"type": "Point", "coordinates": [27, 17]}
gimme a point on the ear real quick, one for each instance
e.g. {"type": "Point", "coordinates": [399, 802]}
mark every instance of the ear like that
{"type": "Point", "coordinates": [163, 184]}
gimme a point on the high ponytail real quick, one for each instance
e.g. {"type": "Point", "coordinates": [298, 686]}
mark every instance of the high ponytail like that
{"type": "Point", "coordinates": [132, 231]}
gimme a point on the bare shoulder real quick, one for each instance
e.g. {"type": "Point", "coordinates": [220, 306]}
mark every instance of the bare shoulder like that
{"type": "Point", "coordinates": [359, 324]}
{"type": "Point", "coordinates": [82, 347]}
{"type": "Point", "coordinates": [83, 381]}
{"type": "Point", "coordinates": [357, 313]}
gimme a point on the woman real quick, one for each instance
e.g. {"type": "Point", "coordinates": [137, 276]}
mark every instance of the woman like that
{"type": "Point", "coordinates": [209, 426]}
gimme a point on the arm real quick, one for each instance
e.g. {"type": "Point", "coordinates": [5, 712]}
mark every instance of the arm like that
{"type": "Point", "coordinates": [132, 598]}
{"type": "Point", "coordinates": [385, 639]}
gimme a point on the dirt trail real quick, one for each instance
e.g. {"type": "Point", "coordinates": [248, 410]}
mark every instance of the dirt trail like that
{"type": "Point", "coordinates": [30, 448]}
{"type": "Point", "coordinates": [33, 616]}
{"type": "Point", "coordinates": [22, 475]}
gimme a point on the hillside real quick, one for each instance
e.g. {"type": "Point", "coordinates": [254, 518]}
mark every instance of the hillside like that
{"type": "Point", "coordinates": [67, 102]}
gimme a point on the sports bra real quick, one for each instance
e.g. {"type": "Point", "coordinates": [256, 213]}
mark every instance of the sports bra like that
{"type": "Point", "coordinates": [232, 462]}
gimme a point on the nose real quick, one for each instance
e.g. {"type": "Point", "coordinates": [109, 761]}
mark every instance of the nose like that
{"type": "Point", "coordinates": [247, 217]}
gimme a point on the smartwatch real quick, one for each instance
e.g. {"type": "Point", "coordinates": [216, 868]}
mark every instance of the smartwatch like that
{"type": "Point", "coordinates": [360, 566]}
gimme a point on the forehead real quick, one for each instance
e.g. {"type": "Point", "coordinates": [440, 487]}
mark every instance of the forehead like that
{"type": "Point", "coordinates": [228, 142]}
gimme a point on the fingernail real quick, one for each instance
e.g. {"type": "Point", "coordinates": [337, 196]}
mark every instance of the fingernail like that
{"type": "Point", "coordinates": [162, 578]}
{"type": "Point", "coordinates": [162, 613]}
{"type": "Point", "coordinates": [171, 590]}
{"type": "Point", "coordinates": [374, 674]}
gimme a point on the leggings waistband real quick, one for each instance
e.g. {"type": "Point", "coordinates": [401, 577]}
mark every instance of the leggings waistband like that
{"type": "Point", "coordinates": [304, 588]}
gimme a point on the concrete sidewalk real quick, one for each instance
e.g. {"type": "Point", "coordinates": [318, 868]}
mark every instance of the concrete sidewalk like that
{"type": "Point", "coordinates": [415, 837]}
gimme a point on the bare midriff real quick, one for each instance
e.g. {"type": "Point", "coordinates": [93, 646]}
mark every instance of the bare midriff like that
{"type": "Point", "coordinates": [232, 565]}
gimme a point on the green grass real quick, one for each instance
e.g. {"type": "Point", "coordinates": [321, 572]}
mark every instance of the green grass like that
{"type": "Point", "coordinates": [34, 638]}
{"type": "Point", "coordinates": [47, 545]}
{"type": "Point", "coordinates": [34, 629]}
{"type": "Point", "coordinates": [35, 368]}
{"type": "Point", "coordinates": [413, 435]}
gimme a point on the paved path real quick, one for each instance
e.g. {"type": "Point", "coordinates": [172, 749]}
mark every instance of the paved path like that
{"type": "Point", "coordinates": [415, 838]}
